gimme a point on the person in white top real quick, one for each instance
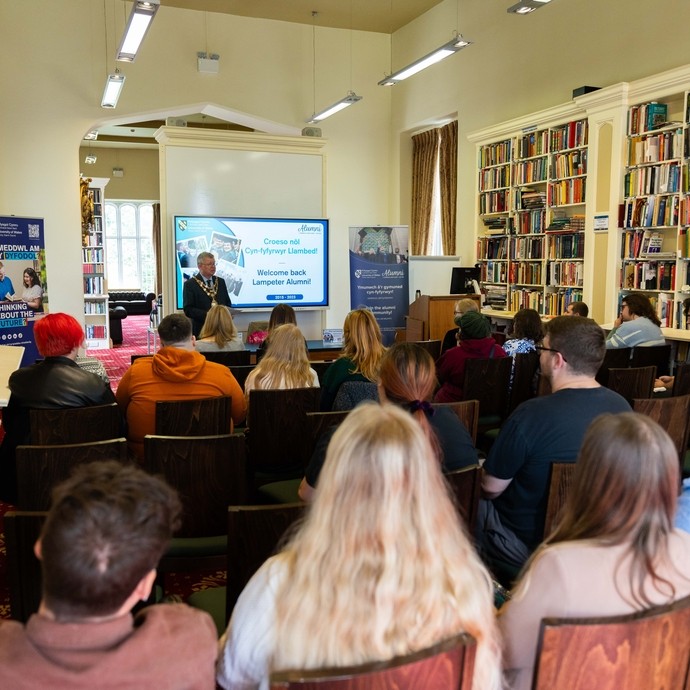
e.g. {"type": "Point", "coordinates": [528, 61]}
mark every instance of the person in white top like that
{"type": "Point", "coordinates": [615, 550]}
{"type": "Point", "coordinates": [380, 567]}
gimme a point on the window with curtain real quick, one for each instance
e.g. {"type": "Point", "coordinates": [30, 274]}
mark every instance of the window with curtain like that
{"type": "Point", "coordinates": [434, 191]}
{"type": "Point", "coordinates": [129, 245]}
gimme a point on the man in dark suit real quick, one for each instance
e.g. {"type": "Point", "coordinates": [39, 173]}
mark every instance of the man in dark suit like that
{"type": "Point", "coordinates": [202, 291]}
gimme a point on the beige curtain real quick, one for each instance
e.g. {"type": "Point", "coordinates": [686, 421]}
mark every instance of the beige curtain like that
{"type": "Point", "coordinates": [448, 181]}
{"type": "Point", "coordinates": [424, 156]}
{"type": "Point", "coordinates": [156, 238]}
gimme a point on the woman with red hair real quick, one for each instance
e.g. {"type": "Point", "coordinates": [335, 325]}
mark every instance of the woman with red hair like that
{"type": "Point", "coordinates": [55, 382]}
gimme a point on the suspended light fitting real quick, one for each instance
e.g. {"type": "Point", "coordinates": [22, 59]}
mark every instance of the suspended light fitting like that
{"type": "Point", "coordinates": [143, 12]}
{"type": "Point", "coordinates": [113, 88]}
{"type": "Point", "coordinates": [526, 6]}
{"type": "Point", "coordinates": [351, 98]}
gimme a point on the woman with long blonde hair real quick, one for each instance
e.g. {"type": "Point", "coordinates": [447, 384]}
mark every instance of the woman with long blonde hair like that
{"type": "Point", "coordinates": [361, 356]}
{"type": "Point", "coordinates": [380, 567]}
{"type": "Point", "coordinates": [285, 364]}
{"type": "Point", "coordinates": [615, 550]}
{"type": "Point", "coordinates": [219, 333]}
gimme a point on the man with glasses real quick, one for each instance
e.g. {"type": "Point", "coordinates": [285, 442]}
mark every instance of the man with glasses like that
{"type": "Point", "coordinates": [542, 431]}
{"type": "Point", "coordinates": [203, 291]}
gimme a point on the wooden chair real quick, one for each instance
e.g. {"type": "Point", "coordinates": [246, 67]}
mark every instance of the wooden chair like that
{"type": "Point", "coordinates": [241, 372]}
{"type": "Point", "coordinates": [40, 468]}
{"type": "Point", "coordinates": [615, 358]}
{"type": "Point", "coordinates": [673, 414]}
{"type": "Point", "coordinates": [524, 372]}
{"type": "Point", "coordinates": [499, 336]}
{"type": "Point", "coordinates": [433, 347]}
{"type": "Point", "coordinates": [634, 382]}
{"type": "Point", "coordinates": [135, 357]}
{"type": "Point", "coordinates": [22, 529]}
{"type": "Point", "coordinates": [75, 424]}
{"type": "Point", "coordinates": [639, 651]}
{"type": "Point", "coordinates": [320, 368]}
{"type": "Point", "coordinates": [655, 355]}
{"type": "Point", "coordinates": [488, 380]}
{"type": "Point", "coordinates": [467, 412]}
{"type": "Point", "coordinates": [278, 437]}
{"type": "Point", "coordinates": [229, 359]}
{"type": "Point", "coordinates": [681, 379]}
{"type": "Point", "coordinates": [466, 487]}
{"type": "Point", "coordinates": [561, 480]}
{"type": "Point", "coordinates": [448, 665]}
{"type": "Point", "coordinates": [193, 417]}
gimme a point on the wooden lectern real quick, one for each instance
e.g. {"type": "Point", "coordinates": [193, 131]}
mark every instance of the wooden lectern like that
{"type": "Point", "coordinates": [430, 317]}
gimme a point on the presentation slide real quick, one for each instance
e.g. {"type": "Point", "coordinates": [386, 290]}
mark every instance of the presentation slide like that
{"type": "Point", "coordinates": [262, 260]}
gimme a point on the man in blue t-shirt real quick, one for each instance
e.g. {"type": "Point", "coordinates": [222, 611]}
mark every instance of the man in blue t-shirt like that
{"type": "Point", "coordinates": [541, 431]}
{"type": "Point", "coordinates": [6, 287]}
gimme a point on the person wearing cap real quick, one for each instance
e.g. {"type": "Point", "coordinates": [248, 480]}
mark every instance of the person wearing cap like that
{"type": "Point", "coordinates": [475, 343]}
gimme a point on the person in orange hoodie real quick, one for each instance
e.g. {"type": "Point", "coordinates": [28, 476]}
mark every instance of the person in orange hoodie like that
{"type": "Point", "coordinates": [175, 372]}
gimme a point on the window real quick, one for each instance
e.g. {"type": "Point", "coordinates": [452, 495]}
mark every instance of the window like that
{"type": "Point", "coordinates": [129, 245]}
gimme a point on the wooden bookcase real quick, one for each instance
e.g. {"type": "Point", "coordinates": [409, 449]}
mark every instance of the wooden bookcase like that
{"type": "Point", "coordinates": [94, 274]}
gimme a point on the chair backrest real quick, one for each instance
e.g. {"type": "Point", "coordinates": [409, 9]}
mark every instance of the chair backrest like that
{"type": "Point", "coordinates": [22, 529]}
{"type": "Point", "coordinates": [193, 417]}
{"type": "Point", "coordinates": [487, 380]}
{"type": "Point", "coordinates": [466, 486]}
{"type": "Point", "coordinates": [433, 347]}
{"type": "Point", "coordinates": [279, 439]}
{"type": "Point", "coordinates": [681, 379]}
{"type": "Point", "coordinates": [559, 486]}
{"type": "Point", "coordinates": [351, 393]}
{"type": "Point", "coordinates": [499, 336]}
{"type": "Point", "coordinates": [639, 651]}
{"type": "Point", "coordinates": [241, 372]}
{"type": "Point", "coordinates": [320, 422]}
{"type": "Point", "coordinates": [254, 533]}
{"type": "Point", "coordinates": [448, 665]}
{"type": "Point", "coordinates": [634, 382]}
{"type": "Point", "coordinates": [75, 424]}
{"type": "Point", "coordinates": [654, 355]}
{"type": "Point", "coordinates": [673, 414]}
{"type": "Point", "coordinates": [614, 358]}
{"type": "Point", "coordinates": [40, 468]}
{"type": "Point", "coordinates": [467, 412]}
{"type": "Point", "coordinates": [231, 358]}
{"type": "Point", "coordinates": [524, 378]}
{"type": "Point", "coordinates": [209, 472]}
{"type": "Point", "coordinates": [133, 358]}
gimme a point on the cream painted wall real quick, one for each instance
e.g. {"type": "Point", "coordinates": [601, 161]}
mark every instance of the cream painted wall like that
{"type": "Point", "coordinates": [140, 167]}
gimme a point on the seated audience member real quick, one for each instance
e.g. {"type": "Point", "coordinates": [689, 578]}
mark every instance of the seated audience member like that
{"type": "Point", "coordinates": [56, 382]}
{"type": "Point", "coordinates": [285, 364]}
{"type": "Point", "coordinates": [539, 432]}
{"type": "Point", "coordinates": [615, 550]}
{"type": "Point", "coordinates": [175, 372]}
{"type": "Point", "coordinates": [451, 338]}
{"type": "Point", "coordinates": [407, 378]}
{"type": "Point", "coordinates": [219, 333]}
{"type": "Point", "coordinates": [280, 314]}
{"type": "Point", "coordinates": [361, 356]}
{"type": "Point", "coordinates": [475, 343]}
{"type": "Point", "coordinates": [637, 324]}
{"type": "Point", "coordinates": [577, 309]}
{"type": "Point", "coordinates": [383, 535]}
{"type": "Point", "coordinates": [527, 332]}
{"type": "Point", "coordinates": [107, 528]}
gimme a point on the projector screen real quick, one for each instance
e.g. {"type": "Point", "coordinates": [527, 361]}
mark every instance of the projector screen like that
{"type": "Point", "coordinates": [262, 260]}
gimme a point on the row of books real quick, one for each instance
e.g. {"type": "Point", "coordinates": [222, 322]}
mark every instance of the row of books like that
{"type": "Point", "coordinates": [527, 198]}
{"type": "Point", "coordinates": [651, 211]}
{"type": "Point", "coordinates": [566, 246]}
{"type": "Point", "coordinates": [644, 244]}
{"type": "Point", "coordinates": [649, 275]}
{"type": "Point", "coordinates": [531, 222]}
{"type": "Point", "coordinates": [663, 306]}
{"type": "Point", "coordinates": [494, 272]}
{"type": "Point", "coordinates": [656, 147]}
{"type": "Point", "coordinates": [91, 307]}
{"type": "Point", "coordinates": [567, 273]}
{"type": "Point", "coordinates": [533, 144]}
{"type": "Point", "coordinates": [574, 223]}
{"type": "Point", "coordinates": [569, 136]}
{"type": "Point", "coordinates": [496, 223]}
{"type": "Point", "coordinates": [653, 179]}
{"type": "Point", "coordinates": [495, 154]}
{"type": "Point", "coordinates": [493, 202]}
{"type": "Point", "coordinates": [94, 285]}
{"type": "Point", "coordinates": [531, 171]}
{"type": "Point", "coordinates": [684, 243]}
{"type": "Point", "coordinates": [525, 273]}
{"type": "Point", "coordinates": [685, 211]}
{"type": "Point", "coordinates": [527, 248]}
{"type": "Point", "coordinates": [494, 178]}
{"type": "Point", "coordinates": [493, 248]}
{"type": "Point", "coordinates": [646, 117]}
{"type": "Point", "coordinates": [496, 297]}
{"type": "Point", "coordinates": [570, 164]}
{"type": "Point", "coordinates": [556, 303]}
{"type": "Point", "coordinates": [567, 192]}
{"type": "Point", "coordinates": [93, 268]}
{"type": "Point", "coordinates": [526, 299]}
{"type": "Point", "coordinates": [89, 254]}
{"type": "Point", "coordinates": [95, 332]}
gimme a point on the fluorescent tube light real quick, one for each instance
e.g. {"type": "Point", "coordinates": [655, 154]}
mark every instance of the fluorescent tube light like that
{"type": "Point", "coordinates": [526, 6]}
{"type": "Point", "coordinates": [447, 49]}
{"type": "Point", "coordinates": [113, 87]}
{"type": "Point", "coordinates": [143, 12]}
{"type": "Point", "coordinates": [351, 98]}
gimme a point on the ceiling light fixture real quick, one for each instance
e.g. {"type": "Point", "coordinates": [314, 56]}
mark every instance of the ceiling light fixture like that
{"type": "Point", "coordinates": [446, 50]}
{"type": "Point", "coordinates": [90, 159]}
{"type": "Point", "coordinates": [351, 98]}
{"type": "Point", "coordinates": [526, 6]}
{"type": "Point", "coordinates": [143, 12]}
{"type": "Point", "coordinates": [113, 87]}
{"type": "Point", "coordinates": [91, 136]}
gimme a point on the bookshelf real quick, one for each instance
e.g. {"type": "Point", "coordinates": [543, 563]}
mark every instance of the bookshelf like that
{"type": "Point", "coordinates": [654, 217]}
{"type": "Point", "coordinates": [531, 202]}
{"type": "Point", "coordinates": [94, 278]}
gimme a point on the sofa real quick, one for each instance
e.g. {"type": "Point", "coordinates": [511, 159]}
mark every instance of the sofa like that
{"type": "Point", "coordinates": [133, 301]}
